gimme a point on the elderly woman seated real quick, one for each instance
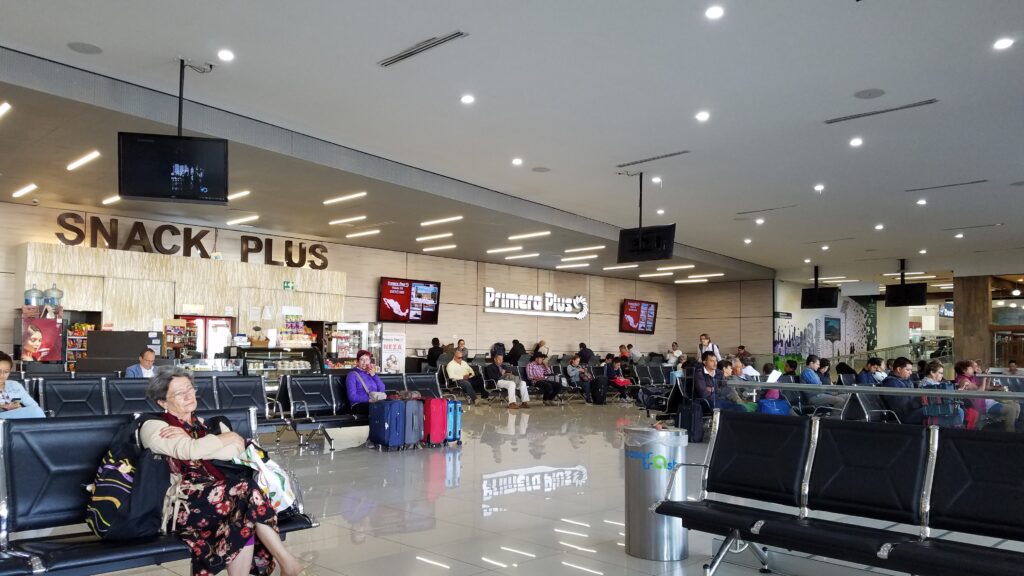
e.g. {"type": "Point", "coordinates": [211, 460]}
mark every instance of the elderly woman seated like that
{"type": "Point", "coordinates": [226, 521]}
{"type": "Point", "coordinates": [15, 401]}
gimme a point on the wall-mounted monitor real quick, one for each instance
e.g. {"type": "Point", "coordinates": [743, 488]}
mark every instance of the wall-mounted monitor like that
{"type": "Point", "coordinates": [408, 301]}
{"type": "Point", "coordinates": [173, 168]}
{"type": "Point", "coordinates": [647, 243]}
{"type": "Point", "coordinates": [814, 298]}
{"type": "Point", "coordinates": [898, 295]}
{"type": "Point", "coordinates": [638, 316]}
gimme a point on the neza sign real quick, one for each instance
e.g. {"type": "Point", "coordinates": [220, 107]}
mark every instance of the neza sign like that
{"type": "Point", "coordinates": [535, 305]}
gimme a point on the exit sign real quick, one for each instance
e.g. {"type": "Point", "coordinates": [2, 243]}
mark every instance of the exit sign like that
{"type": "Point", "coordinates": [288, 285]}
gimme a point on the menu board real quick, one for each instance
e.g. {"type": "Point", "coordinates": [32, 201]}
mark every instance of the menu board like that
{"type": "Point", "coordinates": [638, 316]}
{"type": "Point", "coordinates": [409, 301]}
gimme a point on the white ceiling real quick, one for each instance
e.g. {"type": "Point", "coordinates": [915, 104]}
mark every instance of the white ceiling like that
{"type": "Point", "coordinates": [580, 86]}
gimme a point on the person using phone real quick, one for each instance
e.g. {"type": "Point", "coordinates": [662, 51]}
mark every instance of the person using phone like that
{"type": "Point", "coordinates": [15, 401]}
{"type": "Point", "coordinates": [363, 385]}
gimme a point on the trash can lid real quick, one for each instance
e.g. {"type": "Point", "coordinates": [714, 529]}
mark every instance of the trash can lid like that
{"type": "Point", "coordinates": [642, 435]}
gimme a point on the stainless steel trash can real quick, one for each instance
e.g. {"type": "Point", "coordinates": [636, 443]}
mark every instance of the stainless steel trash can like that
{"type": "Point", "coordinates": [651, 456]}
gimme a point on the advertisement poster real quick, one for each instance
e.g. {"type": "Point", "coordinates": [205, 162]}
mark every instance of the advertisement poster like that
{"type": "Point", "coordinates": [392, 353]}
{"type": "Point", "coordinates": [41, 340]}
{"type": "Point", "coordinates": [413, 301]}
{"type": "Point", "coordinates": [638, 316]}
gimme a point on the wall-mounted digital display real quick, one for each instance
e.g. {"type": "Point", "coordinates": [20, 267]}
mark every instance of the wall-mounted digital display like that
{"type": "Point", "coordinates": [409, 301]}
{"type": "Point", "coordinates": [179, 168]}
{"type": "Point", "coordinates": [638, 316]}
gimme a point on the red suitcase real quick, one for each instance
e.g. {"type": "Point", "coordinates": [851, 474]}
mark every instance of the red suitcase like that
{"type": "Point", "coordinates": [435, 421]}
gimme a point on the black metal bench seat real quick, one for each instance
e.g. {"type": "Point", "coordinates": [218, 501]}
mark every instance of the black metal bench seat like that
{"type": "Point", "coordinates": [966, 481]}
{"type": "Point", "coordinates": [44, 463]}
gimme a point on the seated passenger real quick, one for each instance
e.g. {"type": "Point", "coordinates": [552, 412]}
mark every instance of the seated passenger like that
{"type": "Point", "coordinates": [144, 369]}
{"type": "Point", "coordinates": [226, 522]}
{"type": "Point", "coordinates": [15, 401]}
{"type": "Point", "coordinates": [907, 408]}
{"type": "Point", "coordinates": [1009, 410]}
{"type": "Point", "coordinates": [462, 375]}
{"type": "Point", "coordinates": [933, 374]}
{"type": "Point", "coordinates": [363, 385]}
{"type": "Point", "coordinates": [538, 373]}
{"type": "Point", "coordinates": [504, 380]}
{"type": "Point", "coordinates": [868, 375]}
{"type": "Point", "coordinates": [613, 371]}
{"type": "Point", "coordinates": [709, 385]}
{"type": "Point", "coordinates": [811, 375]}
{"type": "Point", "coordinates": [579, 376]}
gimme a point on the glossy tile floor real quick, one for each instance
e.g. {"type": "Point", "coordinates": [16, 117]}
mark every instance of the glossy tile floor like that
{"type": "Point", "coordinates": [537, 491]}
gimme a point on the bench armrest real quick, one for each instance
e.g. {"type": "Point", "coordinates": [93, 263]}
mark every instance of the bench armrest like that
{"type": "Point", "coordinates": [672, 480]}
{"type": "Point", "coordinates": [305, 406]}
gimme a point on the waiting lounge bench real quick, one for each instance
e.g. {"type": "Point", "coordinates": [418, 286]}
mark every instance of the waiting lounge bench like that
{"type": "Point", "coordinates": [44, 464]}
{"type": "Point", "coordinates": [966, 481]}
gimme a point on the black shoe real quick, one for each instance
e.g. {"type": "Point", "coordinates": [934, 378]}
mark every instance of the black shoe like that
{"type": "Point", "coordinates": [589, 400]}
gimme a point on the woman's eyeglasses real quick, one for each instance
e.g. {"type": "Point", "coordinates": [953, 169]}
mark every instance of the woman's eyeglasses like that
{"type": "Point", "coordinates": [190, 391]}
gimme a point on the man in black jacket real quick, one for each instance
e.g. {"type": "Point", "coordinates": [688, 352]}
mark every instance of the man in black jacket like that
{"type": "Point", "coordinates": [907, 408]}
{"type": "Point", "coordinates": [585, 354]}
{"type": "Point", "coordinates": [515, 352]}
{"type": "Point", "coordinates": [498, 373]}
{"type": "Point", "coordinates": [434, 353]}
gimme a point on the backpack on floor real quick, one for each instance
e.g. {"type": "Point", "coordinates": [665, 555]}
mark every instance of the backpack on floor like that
{"type": "Point", "coordinates": [127, 498]}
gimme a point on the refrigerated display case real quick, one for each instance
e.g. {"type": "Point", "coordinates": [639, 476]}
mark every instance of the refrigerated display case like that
{"type": "Point", "coordinates": [272, 363]}
{"type": "Point", "coordinates": [345, 339]}
{"type": "Point", "coordinates": [208, 335]}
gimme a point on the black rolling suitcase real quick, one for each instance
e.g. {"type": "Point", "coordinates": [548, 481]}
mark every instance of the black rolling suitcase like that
{"type": "Point", "coordinates": [599, 390]}
{"type": "Point", "coordinates": [691, 418]}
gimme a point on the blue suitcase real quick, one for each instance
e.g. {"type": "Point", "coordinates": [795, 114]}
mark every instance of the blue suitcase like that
{"type": "Point", "coordinates": [413, 423]}
{"type": "Point", "coordinates": [454, 422]}
{"type": "Point", "coordinates": [387, 424]}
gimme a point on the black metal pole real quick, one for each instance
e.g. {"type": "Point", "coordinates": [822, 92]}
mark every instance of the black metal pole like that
{"type": "Point", "coordinates": [815, 277]}
{"type": "Point", "coordinates": [903, 271]}
{"type": "Point", "coordinates": [181, 90]}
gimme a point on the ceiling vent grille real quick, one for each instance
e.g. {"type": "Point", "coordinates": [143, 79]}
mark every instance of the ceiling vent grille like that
{"type": "Point", "coordinates": [421, 48]}
{"type": "Point", "coordinates": [972, 182]}
{"type": "Point", "coordinates": [883, 111]}
{"type": "Point", "coordinates": [652, 159]}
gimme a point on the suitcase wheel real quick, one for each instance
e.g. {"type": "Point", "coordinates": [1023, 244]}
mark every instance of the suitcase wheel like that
{"type": "Point", "coordinates": [459, 443]}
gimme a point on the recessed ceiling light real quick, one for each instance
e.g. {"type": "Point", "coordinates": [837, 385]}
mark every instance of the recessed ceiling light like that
{"type": "Point", "coordinates": [22, 191]}
{"type": "Point", "coordinates": [226, 55]}
{"type": "Point", "coordinates": [747, 240]}
{"type": "Point", "coordinates": [573, 258]}
{"type": "Point", "coordinates": [584, 249]}
{"type": "Point", "coordinates": [1015, 292]}
{"type": "Point", "coordinates": [714, 12]}
{"type": "Point", "coordinates": [4, 108]}
{"type": "Point", "coordinates": [656, 180]}
{"type": "Point", "coordinates": [807, 260]}
{"type": "Point", "coordinates": [468, 99]}
{"type": "Point", "coordinates": [692, 281]}
{"type": "Point", "coordinates": [434, 237]}
{"type": "Point", "coordinates": [661, 211]}
{"type": "Point", "coordinates": [840, 281]}
{"type": "Point", "coordinates": [1000, 302]}
{"type": "Point", "coordinates": [904, 273]}
{"type": "Point", "coordinates": [347, 220]}
{"type": "Point", "coordinates": [506, 249]}
{"type": "Point", "coordinates": [441, 221]}
{"type": "Point", "coordinates": [1013, 304]}
{"type": "Point", "coordinates": [1003, 43]}
{"type": "Point", "coordinates": [819, 188]}
{"type": "Point", "coordinates": [759, 221]}
{"type": "Point", "coordinates": [239, 194]}
{"type": "Point", "coordinates": [702, 116]}
{"type": "Point", "coordinates": [622, 267]}
{"type": "Point", "coordinates": [714, 275]}
{"type": "Point", "coordinates": [922, 202]}
{"type": "Point", "coordinates": [680, 267]}
{"type": "Point", "coordinates": [84, 159]}
{"type": "Point", "coordinates": [825, 247]}
{"type": "Point", "coordinates": [879, 226]}
{"type": "Point", "coordinates": [518, 256]}
{"type": "Point", "coordinates": [655, 274]}
{"type": "Point", "coordinates": [517, 161]}
{"type": "Point", "coordinates": [363, 233]}
{"type": "Point", "coordinates": [584, 265]}
{"type": "Point", "coordinates": [111, 200]}
{"type": "Point", "coordinates": [436, 248]}
{"type": "Point", "coordinates": [529, 235]}
{"type": "Point", "coordinates": [856, 142]}
{"type": "Point", "coordinates": [958, 235]}
{"type": "Point", "coordinates": [922, 251]}
{"type": "Point", "coordinates": [343, 198]}
{"type": "Point", "coordinates": [243, 219]}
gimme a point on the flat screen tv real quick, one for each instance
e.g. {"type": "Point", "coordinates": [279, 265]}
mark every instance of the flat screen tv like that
{"type": "Point", "coordinates": [647, 243]}
{"type": "Point", "coordinates": [172, 168]}
{"type": "Point", "coordinates": [408, 301]}
{"type": "Point", "coordinates": [638, 316]}
{"type": "Point", "coordinates": [897, 295]}
{"type": "Point", "coordinates": [813, 298]}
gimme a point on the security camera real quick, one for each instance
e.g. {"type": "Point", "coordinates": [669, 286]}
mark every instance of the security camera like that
{"type": "Point", "coordinates": [35, 201]}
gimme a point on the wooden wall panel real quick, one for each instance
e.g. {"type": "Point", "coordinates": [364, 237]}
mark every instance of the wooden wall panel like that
{"type": "Point", "coordinates": [606, 294]}
{"type": "Point", "coordinates": [756, 334]}
{"type": "Point", "coordinates": [131, 304]}
{"type": "Point", "coordinates": [723, 331]}
{"type": "Point", "coordinates": [604, 333]}
{"type": "Point", "coordinates": [457, 277]}
{"type": "Point", "coordinates": [757, 299]}
{"type": "Point", "coordinates": [712, 300]}
{"type": "Point", "coordinates": [456, 321]}
{"type": "Point", "coordinates": [80, 292]}
{"type": "Point", "coordinates": [504, 279]}
{"type": "Point", "coordinates": [973, 317]}
{"type": "Point", "coordinates": [363, 268]}
{"type": "Point", "coordinates": [664, 295]}
{"type": "Point", "coordinates": [493, 328]}
{"type": "Point", "coordinates": [563, 334]}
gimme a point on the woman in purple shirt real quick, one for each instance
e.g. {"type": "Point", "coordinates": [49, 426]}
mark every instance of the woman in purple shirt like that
{"type": "Point", "coordinates": [363, 384]}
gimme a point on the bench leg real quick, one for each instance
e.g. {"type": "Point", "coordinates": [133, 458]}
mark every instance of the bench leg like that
{"type": "Point", "coordinates": [762, 556]}
{"type": "Point", "coordinates": [330, 441]}
{"type": "Point", "coordinates": [710, 569]}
